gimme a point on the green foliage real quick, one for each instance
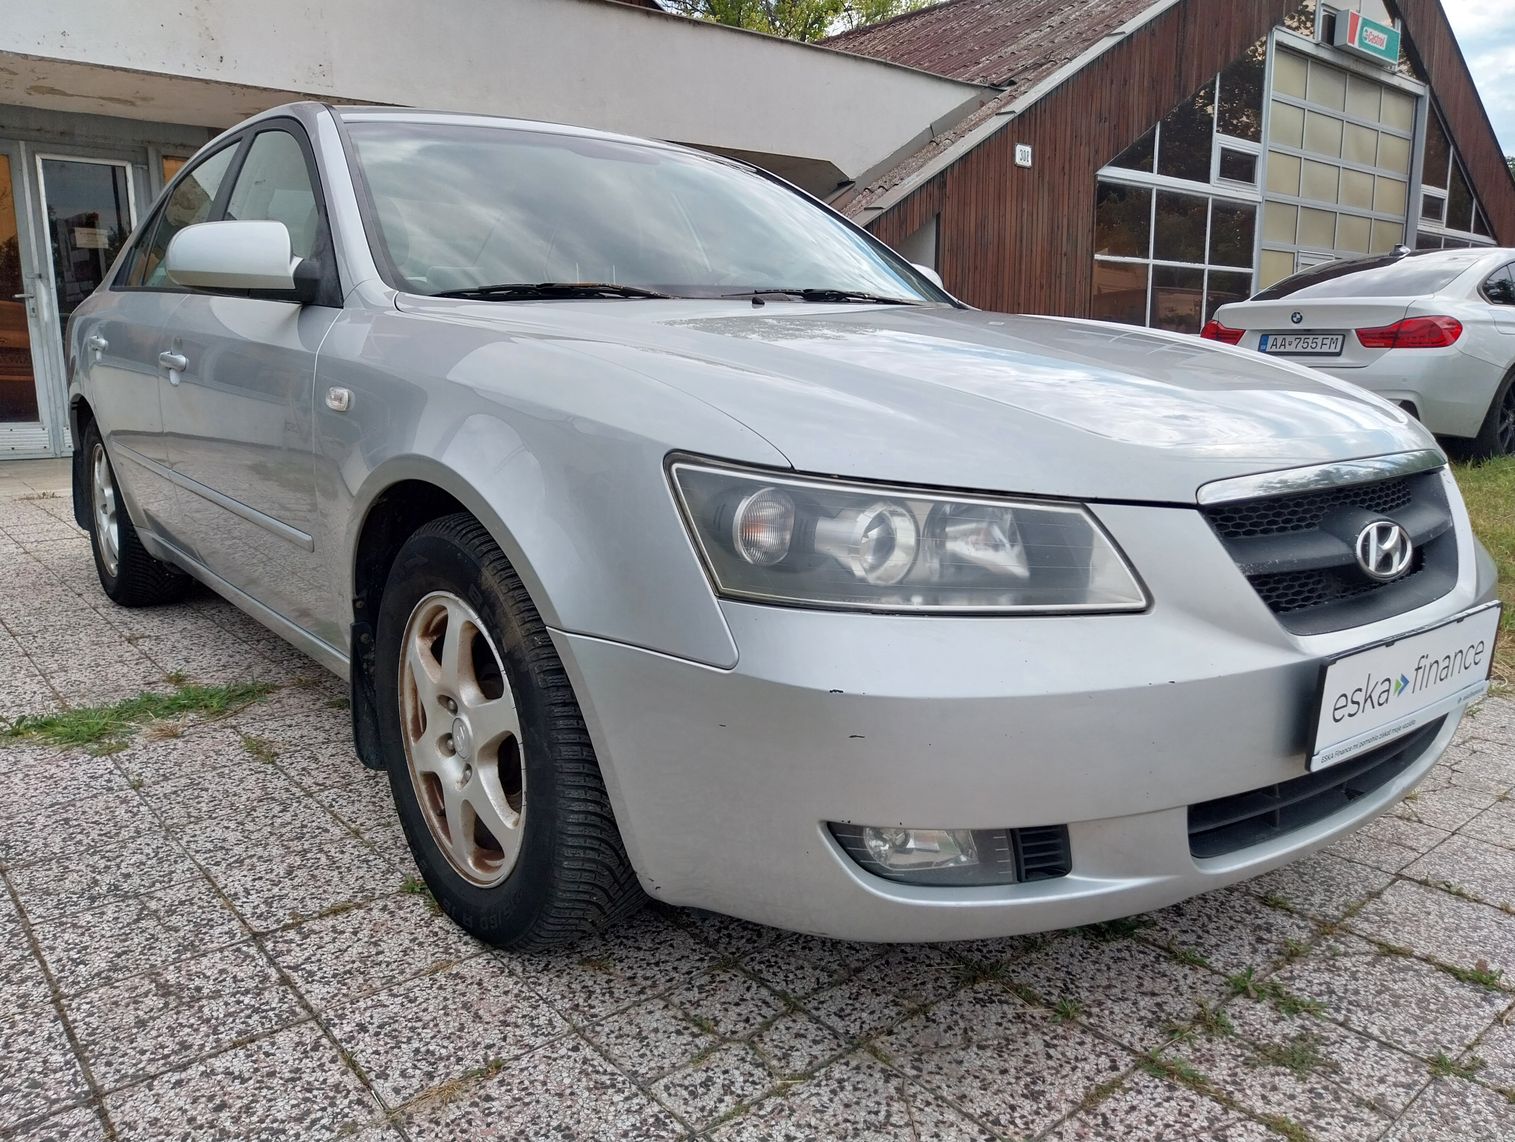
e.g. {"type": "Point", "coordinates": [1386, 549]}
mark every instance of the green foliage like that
{"type": "Point", "coordinates": [104, 729]}
{"type": "Point", "coordinates": [807, 20]}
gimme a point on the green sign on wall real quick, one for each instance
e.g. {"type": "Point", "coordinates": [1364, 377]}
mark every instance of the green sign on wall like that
{"type": "Point", "coordinates": [1356, 33]}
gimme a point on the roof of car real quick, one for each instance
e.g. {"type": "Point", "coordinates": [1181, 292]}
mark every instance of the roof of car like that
{"type": "Point", "coordinates": [353, 114]}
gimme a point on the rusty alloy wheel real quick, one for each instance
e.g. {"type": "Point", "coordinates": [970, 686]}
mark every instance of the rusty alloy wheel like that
{"type": "Point", "coordinates": [462, 735]}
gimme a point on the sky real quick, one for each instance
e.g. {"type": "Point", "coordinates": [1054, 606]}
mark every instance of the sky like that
{"type": "Point", "coordinates": [1486, 33]}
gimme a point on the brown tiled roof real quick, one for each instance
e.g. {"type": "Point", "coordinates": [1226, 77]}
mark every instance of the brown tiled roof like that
{"type": "Point", "coordinates": [1004, 43]}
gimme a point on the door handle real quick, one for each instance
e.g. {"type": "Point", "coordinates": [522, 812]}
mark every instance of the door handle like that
{"type": "Point", "coordinates": [97, 343]}
{"type": "Point", "coordinates": [173, 362]}
{"type": "Point", "coordinates": [21, 297]}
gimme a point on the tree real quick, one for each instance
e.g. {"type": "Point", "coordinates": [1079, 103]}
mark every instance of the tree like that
{"type": "Point", "coordinates": [1510, 162]}
{"type": "Point", "coordinates": [806, 20]}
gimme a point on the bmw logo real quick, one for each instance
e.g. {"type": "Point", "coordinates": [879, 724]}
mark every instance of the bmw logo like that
{"type": "Point", "coordinates": [1296, 317]}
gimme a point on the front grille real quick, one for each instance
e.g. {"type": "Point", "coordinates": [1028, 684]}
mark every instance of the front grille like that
{"type": "Point", "coordinates": [1228, 824]}
{"type": "Point", "coordinates": [1298, 553]}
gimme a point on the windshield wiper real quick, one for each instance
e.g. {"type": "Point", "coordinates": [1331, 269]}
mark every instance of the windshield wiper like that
{"type": "Point", "coordinates": [829, 295]}
{"type": "Point", "coordinates": [513, 291]}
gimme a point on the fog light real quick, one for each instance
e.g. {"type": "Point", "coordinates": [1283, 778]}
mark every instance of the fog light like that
{"type": "Point", "coordinates": [957, 857]}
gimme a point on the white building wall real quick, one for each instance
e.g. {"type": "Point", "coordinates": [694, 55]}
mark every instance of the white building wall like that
{"type": "Point", "coordinates": [588, 62]}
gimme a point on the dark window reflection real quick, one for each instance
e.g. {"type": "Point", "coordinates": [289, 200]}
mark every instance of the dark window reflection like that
{"type": "Point", "coordinates": [1138, 156]}
{"type": "Point", "coordinates": [1238, 166]}
{"type": "Point", "coordinates": [1180, 235]}
{"type": "Point", "coordinates": [1225, 288]}
{"type": "Point", "coordinates": [88, 220]}
{"type": "Point", "coordinates": [1438, 152]}
{"type": "Point", "coordinates": [1432, 207]}
{"type": "Point", "coordinates": [1427, 242]}
{"type": "Point", "coordinates": [1459, 201]}
{"type": "Point", "coordinates": [1122, 220]}
{"type": "Point", "coordinates": [1120, 292]}
{"type": "Point", "coordinates": [1177, 299]}
{"type": "Point", "coordinates": [1479, 225]}
{"type": "Point", "coordinates": [1183, 151]}
{"type": "Point", "coordinates": [1241, 95]}
{"type": "Point", "coordinates": [1232, 226]}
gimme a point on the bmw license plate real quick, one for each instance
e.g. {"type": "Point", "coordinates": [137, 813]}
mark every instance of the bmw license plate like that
{"type": "Point", "coordinates": [1381, 692]}
{"type": "Point", "coordinates": [1303, 344]}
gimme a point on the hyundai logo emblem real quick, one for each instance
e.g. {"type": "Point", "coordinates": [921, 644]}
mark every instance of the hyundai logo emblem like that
{"type": "Point", "coordinates": [1384, 550]}
{"type": "Point", "coordinates": [1296, 317]}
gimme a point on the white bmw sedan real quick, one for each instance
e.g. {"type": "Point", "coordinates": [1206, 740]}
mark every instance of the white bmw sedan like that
{"type": "Point", "coordinates": [1433, 331]}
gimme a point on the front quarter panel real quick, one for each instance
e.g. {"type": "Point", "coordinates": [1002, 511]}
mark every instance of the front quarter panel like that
{"type": "Point", "coordinates": [561, 457]}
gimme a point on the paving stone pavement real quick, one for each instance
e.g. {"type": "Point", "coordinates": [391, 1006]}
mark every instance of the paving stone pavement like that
{"type": "Point", "coordinates": [216, 932]}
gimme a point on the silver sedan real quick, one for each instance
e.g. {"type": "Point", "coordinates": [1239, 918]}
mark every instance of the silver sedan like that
{"type": "Point", "coordinates": [680, 539]}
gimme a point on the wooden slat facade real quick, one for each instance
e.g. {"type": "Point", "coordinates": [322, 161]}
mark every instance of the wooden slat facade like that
{"type": "Point", "coordinates": [1021, 239]}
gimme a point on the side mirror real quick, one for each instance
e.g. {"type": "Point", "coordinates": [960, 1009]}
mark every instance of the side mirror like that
{"type": "Point", "coordinates": [242, 256]}
{"type": "Point", "coordinates": [929, 274]}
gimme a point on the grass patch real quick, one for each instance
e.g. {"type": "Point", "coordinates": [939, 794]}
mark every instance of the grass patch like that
{"type": "Point", "coordinates": [1488, 488]}
{"type": "Point", "coordinates": [106, 728]}
{"type": "Point", "coordinates": [1111, 931]}
{"type": "Point", "coordinates": [1481, 974]}
{"type": "Point", "coordinates": [1301, 1054]}
{"type": "Point", "coordinates": [1266, 990]}
{"type": "Point", "coordinates": [259, 749]}
{"type": "Point", "coordinates": [1067, 1009]}
{"type": "Point", "coordinates": [1443, 1066]}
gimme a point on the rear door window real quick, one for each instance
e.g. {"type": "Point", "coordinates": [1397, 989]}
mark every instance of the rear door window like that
{"type": "Point", "coordinates": [191, 201]}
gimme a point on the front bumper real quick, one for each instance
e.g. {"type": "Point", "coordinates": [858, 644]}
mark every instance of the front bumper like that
{"type": "Point", "coordinates": [722, 780]}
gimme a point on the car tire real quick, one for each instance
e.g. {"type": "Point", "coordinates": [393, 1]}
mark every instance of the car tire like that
{"type": "Point", "coordinates": [492, 770]}
{"type": "Point", "coordinates": [129, 576]}
{"type": "Point", "coordinates": [1496, 437]}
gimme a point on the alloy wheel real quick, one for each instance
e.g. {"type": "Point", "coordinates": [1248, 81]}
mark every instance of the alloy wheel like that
{"type": "Point", "coordinates": [1507, 422]}
{"type": "Point", "coordinates": [462, 735]}
{"type": "Point", "coordinates": [105, 503]}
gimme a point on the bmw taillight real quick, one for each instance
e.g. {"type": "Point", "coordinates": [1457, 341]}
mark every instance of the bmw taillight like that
{"type": "Point", "coordinates": [1413, 333]}
{"type": "Point", "coordinates": [1215, 331]}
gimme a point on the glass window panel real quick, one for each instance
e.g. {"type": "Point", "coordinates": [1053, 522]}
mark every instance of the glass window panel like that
{"type": "Point", "coordinates": [1233, 226]}
{"type": "Point", "coordinates": [1389, 196]}
{"type": "Point", "coordinates": [190, 203]}
{"type": "Point", "coordinates": [1187, 136]}
{"type": "Point", "coordinates": [1275, 266]}
{"type": "Point", "coordinates": [1398, 110]}
{"type": "Point", "coordinates": [1289, 71]}
{"type": "Point", "coordinates": [1438, 153]}
{"type": "Point", "coordinates": [1433, 207]}
{"type": "Point", "coordinates": [1139, 155]}
{"type": "Point", "coordinates": [1360, 145]}
{"type": "Point", "coordinates": [1322, 134]}
{"type": "Point", "coordinates": [1427, 242]}
{"type": "Point", "coordinates": [1317, 228]}
{"type": "Point", "coordinates": [1386, 235]}
{"type": "Point", "coordinates": [1362, 98]}
{"type": "Point", "coordinates": [1180, 235]}
{"type": "Point", "coordinates": [1319, 181]}
{"type": "Point", "coordinates": [1394, 153]}
{"type": "Point", "coordinates": [1286, 125]}
{"type": "Point", "coordinates": [18, 381]}
{"type": "Point", "coordinates": [1279, 221]}
{"type": "Point", "coordinates": [1459, 200]}
{"type": "Point", "coordinates": [1327, 86]}
{"type": "Point", "coordinates": [1224, 288]}
{"type": "Point", "coordinates": [1352, 233]}
{"type": "Point", "coordinates": [1480, 226]}
{"type": "Point", "coordinates": [1238, 166]}
{"type": "Point", "coordinates": [1120, 292]}
{"type": "Point", "coordinates": [1283, 174]}
{"type": "Point", "coordinates": [274, 185]}
{"type": "Point", "coordinates": [1455, 243]}
{"type": "Point", "coordinates": [172, 165]}
{"type": "Point", "coordinates": [1356, 189]}
{"type": "Point", "coordinates": [1177, 298]}
{"type": "Point", "coordinates": [1122, 220]}
{"type": "Point", "coordinates": [1241, 91]}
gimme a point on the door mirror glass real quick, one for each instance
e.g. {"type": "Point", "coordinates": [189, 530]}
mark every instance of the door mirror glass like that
{"type": "Point", "coordinates": [929, 274]}
{"type": "Point", "coordinates": [239, 256]}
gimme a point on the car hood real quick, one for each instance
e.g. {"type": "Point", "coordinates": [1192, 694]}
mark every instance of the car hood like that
{"type": "Point", "coordinates": [961, 398]}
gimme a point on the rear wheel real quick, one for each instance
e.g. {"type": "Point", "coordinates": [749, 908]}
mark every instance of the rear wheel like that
{"type": "Point", "coordinates": [128, 574]}
{"type": "Point", "coordinates": [492, 771]}
{"type": "Point", "coordinates": [1497, 435]}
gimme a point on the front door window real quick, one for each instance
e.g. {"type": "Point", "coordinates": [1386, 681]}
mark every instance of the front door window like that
{"type": "Point", "coordinates": [18, 380]}
{"type": "Point", "coordinates": [87, 205]}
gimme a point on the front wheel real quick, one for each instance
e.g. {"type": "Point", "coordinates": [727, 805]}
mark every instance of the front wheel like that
{"type": "Point", "coordinates": [492, 770]}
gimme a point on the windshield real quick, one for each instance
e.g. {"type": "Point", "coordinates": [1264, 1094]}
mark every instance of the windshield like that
{"type": "Point", "coordinates": [461, 207]}
{"type": "Point", "coordinates": [1403, 275]}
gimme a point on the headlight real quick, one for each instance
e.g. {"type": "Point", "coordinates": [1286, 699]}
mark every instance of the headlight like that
{"type": "Point", "coordinates": [825, 543]}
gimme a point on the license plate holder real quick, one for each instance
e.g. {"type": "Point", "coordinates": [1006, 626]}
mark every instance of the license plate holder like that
{"type": "Point", "coordinates": [1303, 344]}
{"type": "Point", "coordinates": [1382, 691]}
